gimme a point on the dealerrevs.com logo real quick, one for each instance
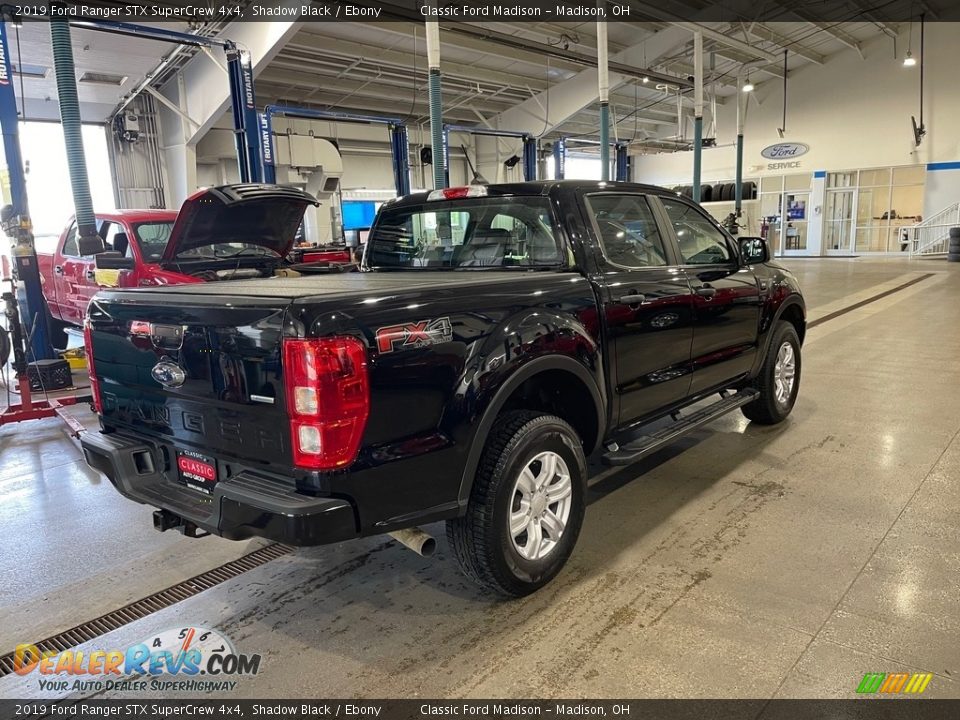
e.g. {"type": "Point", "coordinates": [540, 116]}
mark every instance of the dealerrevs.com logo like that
{"type": "Point", "coordinates": [189, 659]}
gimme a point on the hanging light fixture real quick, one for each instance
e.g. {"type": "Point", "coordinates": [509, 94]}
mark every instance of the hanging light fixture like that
{"type": "Point", "coordinates": [748, 86]}
{"type": "Point", "coordinates": [909, 60]}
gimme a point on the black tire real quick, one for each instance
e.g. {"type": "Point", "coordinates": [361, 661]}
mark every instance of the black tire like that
{"type": "Point", "coordinates": [955, 232]}
{"type": "Point", "coordinates": [767, 409]}
{"type": "Point", "coordinates": [481, 540]}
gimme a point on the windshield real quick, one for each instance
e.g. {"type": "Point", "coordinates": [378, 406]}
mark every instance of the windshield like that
{"type": "Point", "coordinates": [152, 238]}
{"type": "Point", "coordinates": [467, 233]}
{"type": "Point", "coordinates": [221, 251]}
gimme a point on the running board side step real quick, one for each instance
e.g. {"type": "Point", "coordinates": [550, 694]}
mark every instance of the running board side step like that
{"type": "Point", "coordinates": [646, 444]}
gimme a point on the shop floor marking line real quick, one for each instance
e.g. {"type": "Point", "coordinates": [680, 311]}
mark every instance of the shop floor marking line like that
{"type": "Point", "coordinates": [146, 606]}
{"type": "Point", "coordinates": [857, 305]}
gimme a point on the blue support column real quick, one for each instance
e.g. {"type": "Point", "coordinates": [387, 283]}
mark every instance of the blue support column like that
{"type": "Point", "coordinates": [739, 187]}
{"type": "Point", "coordinates": [697, 156]}
{"type": "Point", "coordinates": [621, 162]}
{"type": "Point", "coordinates": [529, 158]}
{"type": "Point", "coordinates": [33, 309]}
{"type": "Point", "coordinates": [401, 158]}
{"type": "Point", "coordinates": [243, 102]}
{"type": "Point", "coordinates": [250, 117]}
{"type": "Point", "coordinates": [559, 158]}
{"type": "Point", "coordinates": [445, 152]}
{"type": "Point", "coordinates": [438, 138]}
{"type": "Point", "coordinates": [604, 141]}
{"type": "Point", "coordinates": [267, 149]}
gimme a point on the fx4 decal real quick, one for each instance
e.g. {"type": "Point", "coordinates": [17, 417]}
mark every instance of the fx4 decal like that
{"type": "Point", "coordinates": [414, 335]}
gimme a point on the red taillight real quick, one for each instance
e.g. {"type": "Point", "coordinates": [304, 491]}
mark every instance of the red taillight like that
{"type": "Point", "coordinates": [458, 193]}
{"type": "Point", "coordinates": [328, 400]}
{"type": "Point", "coordinates": [91, 371]}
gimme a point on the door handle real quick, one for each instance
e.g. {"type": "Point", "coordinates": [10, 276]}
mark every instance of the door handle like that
{"type": "Point", "coordinates": [707, 291]}
{"type": "Point", "coordinates": [631, 299]}
{"type": "Point", "coordinates": [90, 274]}
{"type": "Point", "coordinates": [58, 269]}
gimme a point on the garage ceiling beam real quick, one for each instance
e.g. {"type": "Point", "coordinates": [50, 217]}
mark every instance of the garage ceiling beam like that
{"type": "Point", "coordinates": [708, 32]}
{"type": "Point", "coordinates": [831, 29]}
{"type": "Point", "coordinates": [403, 29]}
{"type": "Point", "coordinates": [764, 33]}
{"type": "Point", "coordinates": [332, 47]}
{"type": "Point", "coordinates": [890, 29]}
{"type": "Point", "coordinates": [545, 111]}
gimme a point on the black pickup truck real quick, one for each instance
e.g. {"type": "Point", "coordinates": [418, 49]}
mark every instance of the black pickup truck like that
{"type": "Point", "coordinates": [494, 337]}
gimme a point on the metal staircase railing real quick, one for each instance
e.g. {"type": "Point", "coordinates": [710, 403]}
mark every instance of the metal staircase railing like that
{"type": "Point", "coordinates": [932, 236]}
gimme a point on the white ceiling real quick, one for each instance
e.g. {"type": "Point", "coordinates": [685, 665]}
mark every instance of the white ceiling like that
{"type": "Point", "coordinates": [380, 67]}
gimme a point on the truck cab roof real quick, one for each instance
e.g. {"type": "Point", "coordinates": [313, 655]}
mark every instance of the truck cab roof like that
{"type": "Point", "coordinates": [536, 188]}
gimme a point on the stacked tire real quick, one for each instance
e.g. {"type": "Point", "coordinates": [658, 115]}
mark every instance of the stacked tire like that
{"type": "Point", "coordinates": [953, 250]}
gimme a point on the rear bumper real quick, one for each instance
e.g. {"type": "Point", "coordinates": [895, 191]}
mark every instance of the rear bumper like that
{"type": "Point", "coordinates": [244, 506]}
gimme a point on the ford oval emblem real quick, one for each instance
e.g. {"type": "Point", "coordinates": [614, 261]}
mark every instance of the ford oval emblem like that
{"type": "Point", "coordinates": [784, 151]}
{"type": "Point", "coordinates": [168, 374]}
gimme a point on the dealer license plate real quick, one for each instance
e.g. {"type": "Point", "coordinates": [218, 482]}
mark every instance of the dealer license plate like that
{"type": "Point", "coordinates": [197, 471]}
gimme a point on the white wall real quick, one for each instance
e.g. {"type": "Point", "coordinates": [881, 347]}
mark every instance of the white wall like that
{"type": "Point", "coordinates": [852, 112]}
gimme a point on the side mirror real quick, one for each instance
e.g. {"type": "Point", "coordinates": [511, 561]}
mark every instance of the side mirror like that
{"type": "Point", "coordinates": [90, 245]}
{"type": "Point", "coordinates": [754, 250]}
{"type": "Point", "coordinates": [113, 261]}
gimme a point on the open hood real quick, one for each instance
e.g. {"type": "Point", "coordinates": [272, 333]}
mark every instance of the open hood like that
{"type": "Point", "coordinates": [264, 215]}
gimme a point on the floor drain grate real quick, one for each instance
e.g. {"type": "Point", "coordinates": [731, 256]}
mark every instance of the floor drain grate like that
{"type": "Point", "coordinates": [152, 603]}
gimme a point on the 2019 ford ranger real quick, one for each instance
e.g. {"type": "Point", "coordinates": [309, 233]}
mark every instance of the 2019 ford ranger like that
{"type": "Point", "coordinates": [496, 336]}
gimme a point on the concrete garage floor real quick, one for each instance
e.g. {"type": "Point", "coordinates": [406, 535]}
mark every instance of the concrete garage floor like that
{"type": "Point", "coordinates": [746, 562]}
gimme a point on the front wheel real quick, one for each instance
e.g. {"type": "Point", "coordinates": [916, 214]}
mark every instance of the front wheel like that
{"type": "Point", "coordinates": [526, 507]}
{"type": "Point", "coordinates": [779, 378]}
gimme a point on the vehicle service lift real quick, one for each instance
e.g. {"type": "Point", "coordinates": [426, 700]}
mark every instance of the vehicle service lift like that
{"type": "Point", "coordinates": [528, 140]}
{"type": "Point", "coordinates": [399, 151]}
{"type": "Point", "coordinates": [621, 158]}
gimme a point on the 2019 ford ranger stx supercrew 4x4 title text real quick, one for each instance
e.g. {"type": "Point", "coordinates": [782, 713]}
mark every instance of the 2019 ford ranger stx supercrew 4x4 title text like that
{"type": "Point", "coordinates": [495, 337]}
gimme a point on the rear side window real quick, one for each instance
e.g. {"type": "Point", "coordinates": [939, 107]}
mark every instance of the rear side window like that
{"type": "Point", "coordinates": [629, 236]}
{"type": "Point", "coordinates": [466, 233]}
{"type": "Point", "coordinates": [701, 242]}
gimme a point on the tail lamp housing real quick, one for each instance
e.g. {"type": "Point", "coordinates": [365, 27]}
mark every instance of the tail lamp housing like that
{"type": "Point", "coordinates": [328, 399]}
{"type": "Point", "coordinates": [91, 370]}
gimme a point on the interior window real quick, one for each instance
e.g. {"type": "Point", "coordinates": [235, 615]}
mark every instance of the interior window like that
{"type": "Point", "coordinates": [629, 235]}
{"type": "Point", "coordinates": [701, 242]}
{"type": "Point", "coordinates": [70, 246]}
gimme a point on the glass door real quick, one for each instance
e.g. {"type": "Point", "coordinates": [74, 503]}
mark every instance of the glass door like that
{"type": "Point", "coordinates": [795, 230]}
{"type": "Point", "coordinates": [838, 222]}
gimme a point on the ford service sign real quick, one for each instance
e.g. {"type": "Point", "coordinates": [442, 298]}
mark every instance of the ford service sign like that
{"type": "Point", "coordinates": [783, 151]}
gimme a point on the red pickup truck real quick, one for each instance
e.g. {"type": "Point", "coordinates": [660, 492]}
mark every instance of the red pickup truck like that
{"type": "Point", "coordinates": [163, 247]}
{"type": "Point", "coordinates": [70, 279]}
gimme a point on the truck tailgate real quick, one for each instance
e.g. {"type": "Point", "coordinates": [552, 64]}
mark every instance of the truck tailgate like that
{"type": "Point", "coordinates": [204, 376]}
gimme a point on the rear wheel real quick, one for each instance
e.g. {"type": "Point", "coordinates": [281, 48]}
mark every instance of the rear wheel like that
{"type": "Point", "coordinates": [526, 507]}
{"type": "Point", "coordinates": [779, 378]}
